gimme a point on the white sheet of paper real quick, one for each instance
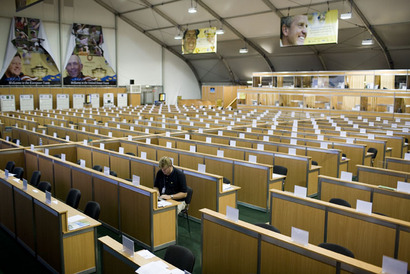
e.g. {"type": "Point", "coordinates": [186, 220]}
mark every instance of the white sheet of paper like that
{"type": "Point", "coordinates": [106, 170]}
{"type": "Point", "coordinates": [403, 187]}
{"type": "Point", "coordinates": [389, 133]}
{"type": "Point", "coordinates": [293, 141]}
{"type": "Point", "coordinates": [266, 138]}
{"type": "Point", "coordinates": [393, 266]}
{"type": "Point", "coordinates": [362, 130]}
{"type": "Point", "coordinates": [48, 197]}
{"type": "Point", "coordinates": [232, 143]}
{"type": "Point", "coordinates": [192, 149]}
{"type": "Point", "coordinates": [143, 155]}
{"type": "Point", "coordinates": [145, 254]}
{"type": "Point", "coordinates": [324, 145]}
{"type": "Point", "coordinates": [167, 134]}
{"type": "Point", "coordinates": [128, 246]}
{"type": "Point", "coordinates": [407, 156]}
{"type": "Point", "coordinates": [346, 176]}
{"type": "Point", "coordinates": [320, 137]}
{"type": "Point", "coordinates": [169, 145]}
{"type": "Point", "coordinates": [364, 207]}
{"type": "Point", "coordinates": [121, 150]}
{"type": "Point", "coordinates": [349, 140]}
{"type": "Point", "coordinates": [82, 163]}
{"type": "Point", "coordinates": [292, 151]}
{"type": "Point", "coordinates": [242, 135]}
{"type": "Point", "coordinates": [147, 130]}
{"type": "Point", "coordinates": [201, 168]}
{"type": "Point", "coordinates": [24, 184]}
{"type": "Point", "coordinates": [209, 140]}
{"type": "Point", "coordinates": [300, 236]}
{"type": "Point", "coordinates": [252, 159]}
{"type": "Point", "coordinates": [102, 146]}
{"type": "Point", "coordinates": [370, 136]}
{"type": "Point", "coordinates": [201, 130]}
{"type": "Point", "coordinates": [220, 153]}
{"type": "Point", "coordinates": [135, 180]}
{"type": "Point", "coordinates": [232, 213]}
{"type": "Point", "coordinates": [220, 133]}
{"type": "Point", "coordinates": [261, 146]}
{"type": "Point", "coordinates": [300, 191]}
{"type": "Point", "coordinates": [148, 141]}
{"type": "Point", "coordinates": [46, 151]}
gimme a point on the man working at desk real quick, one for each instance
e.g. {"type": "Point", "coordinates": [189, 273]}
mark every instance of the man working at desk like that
{"type": "Point", "coordinates": [170, 183]}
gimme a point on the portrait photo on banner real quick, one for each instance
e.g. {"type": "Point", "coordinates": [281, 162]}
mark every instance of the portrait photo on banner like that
{"type": "Point", "coordinates": [28, 58]}
{"type": "Point", "coordinates": [196, 41]}
{"type": "Point", "coordinates": [309, 29]}
{"type": "Point", "coordinates": [87, 60]}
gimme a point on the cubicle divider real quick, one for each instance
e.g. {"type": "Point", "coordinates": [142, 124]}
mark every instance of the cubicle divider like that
{"type": "Point", "coordinates": [254, 179]}
{"type": "Point", "coordinates": [381, 176]}
{"type": "Point", "coordinates": [32, 137]}
{"type": "Point", "coordinates": [368, 236]}
{"type": "Point", "coordinates": [398, 164]}
{"type": "Point", "coordinates": [125, 208]}
{"type": "Point", "coordinates": [44, 228]}
{"type": "Point", "coordinates": [384, 201]}
{"type": "Point", "coordinates": [300, 170]}
{"type": "Point", "coordinates": [240, 247]}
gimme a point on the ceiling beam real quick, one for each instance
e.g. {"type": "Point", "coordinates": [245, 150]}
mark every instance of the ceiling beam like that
{"type": "Point", "coordinates": [237, 33]}
{"type": "Point", "coordinates": [376, 36]}
{"type": "Point", "coordinates": [155, 39]}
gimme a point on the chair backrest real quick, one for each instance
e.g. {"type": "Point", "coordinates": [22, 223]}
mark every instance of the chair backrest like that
{"type": "Point", "coordinates": [130, 153]}
{"type": "Point", "coordinates": [314, 163]}
{"type": "Point", "coordinates": [19, 172]}
{"type": "Point", "coordinates": [268, 226]}
{"type": "Point", "coordinates": [35, 178]}
{"type": "Point", "coordinates": [73, 198]}
{"type": "Point", "coordinates": [337, 248]}
{"type": "Point", "coordinates": [226, 181]}
{"type": "Point", "coordinates": [57, 156]}
{"type": "Point", "coordinates": [188, 197]}
{"type": "Point", "coordinates": [280, 170]}
{"type": "Point", "coordinates": [372, 150]}
{"type": "Point", "coordinates": [10, 166]}
{"type": "Point", "coordinates": [92, 209]}
{"type": "Point", "coordinates": [339, 201]}
{"type": "Point", "coordinates": [98, 168]}
{"type": "Point", "coordinates": [181, 257]}
{"type": "Point", "coordinates": [113, 173]}
{"type": "Point", "coordinates": [44, 185]}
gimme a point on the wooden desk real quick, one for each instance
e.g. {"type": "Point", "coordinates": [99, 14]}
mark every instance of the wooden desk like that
{"type": "Point", "coordinates": [369, 237]}
{"type": "Point", "coordinates": [381, 176]}
{"type": "Point", "coordinates": [398, 164]}
{"type": "Point", "coordinates": [240, 247]}
{"type": "Point", "coordinates": [115, 260]}
{"type": "Point", "coordinates": [43, 228]}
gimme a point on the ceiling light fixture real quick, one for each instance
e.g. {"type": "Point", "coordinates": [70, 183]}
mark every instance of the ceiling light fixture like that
{"type": "Point", "coordinates": [345, 16]}
{"type": "Point", "coordinates": [243, 50]}
{"type": "Point", "coordinates": [192, 9]}
{"type": "Point", "coordinates": [367, 42]}
{"type": "Point", "coordinates": [178, 36]}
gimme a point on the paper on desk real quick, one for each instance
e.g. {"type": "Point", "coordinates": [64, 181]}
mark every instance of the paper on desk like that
{"type": "Point", "coordinates": [16, 180]}
{"type": "Point", "coordinates": [225, 187]}
{"type": "Point", "coordinates": [75, 218]}
{"type": "Point", "coordinates": [78, 224]}
{"type": "Point", "coordinates": [154, 268]}
{"type": "Point", "coordinates": [145, 254]}
{"type": "Point", "coordinates": [163, 203]}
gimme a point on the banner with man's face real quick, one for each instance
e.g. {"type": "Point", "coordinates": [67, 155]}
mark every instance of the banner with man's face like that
{"type": "Point", "coordinates": [199, 41]}
{"type": "Point", "coordinates": [29, 59]}
{"type": "Point", "coordinates": [309, 29]}
{"type": "Point", "coordinates": [87, 61]}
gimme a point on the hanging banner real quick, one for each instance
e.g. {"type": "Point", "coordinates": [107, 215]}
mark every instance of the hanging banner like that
{"type": "Point", "coordinates": [29, 59]}
{"type": "Point", "coordinates": [22, 4]}
{"type": "Point", "coordinates": [87, 61]}
{"type": "Point", "coordinates": [199, 41]}
{"type": "Point", "coordinates": [309, 29]}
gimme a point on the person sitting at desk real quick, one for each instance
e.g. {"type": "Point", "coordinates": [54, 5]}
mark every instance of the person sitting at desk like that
{"type": "Point", "coordinates": [170, 182]}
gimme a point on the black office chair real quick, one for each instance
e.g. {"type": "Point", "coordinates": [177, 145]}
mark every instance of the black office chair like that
{"type": "Point", "coordinates": [339, 201]}
{"type": "Point", "coordinates": [35, 178]}
{"type": "Point", "coordinates": [180, 257]}
{"type": "Point", "coordinates": [268, 226]}
{"type": "Point", "coordinates": [10, 166]}
{"type": "Point", "coordinates": [280, 170]}
{"type": "Point", "coordinates": [226, 181]}
{"type": "Point", "coordinates": [374, 151]}
{"type": "Point", "coordinates": [98, 168]}
{"type": "Point", "coordinates": [18, 172]}
{"type": "Point", "coordinates": [73, 198]}
{"type": "Point", "coordinates": [14, 141]}
{"type": "Point", "coordinates": [130, 153]}
{"type": "Point", "coordinates": [188, 199]}
{"type": "Point", "coordinates": [314, 163]}
{"type": "Point", "coordinates": [57, 156]}
{"type": "Point", "coordinates": [344, 155]}
{"type": "Point", "coordinates": [44, 186]}
{"type": "Point", "coordinates": [337, 248]}
{"type": "Point", "coordinates": [113, 173]}
{"type": "Point", "coordinates": [92, 209]}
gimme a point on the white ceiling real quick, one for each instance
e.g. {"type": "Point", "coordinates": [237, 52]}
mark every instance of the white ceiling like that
{"type": "Point", "coordinates": [255, 24]}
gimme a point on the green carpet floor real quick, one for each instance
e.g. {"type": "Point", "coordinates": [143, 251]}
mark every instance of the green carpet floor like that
{"type": "Point", "coordinates": [10, 249]}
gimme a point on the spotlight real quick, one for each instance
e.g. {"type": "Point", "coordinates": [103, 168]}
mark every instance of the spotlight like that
{"type": "Point", "coordinates": [220, 31]}
{"type": "Point", "coordinates": [367, 42]}
{"type": "Point", "coordinates": [243, 50]}
{"type": "Point", "coordinates": [346, 15]}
